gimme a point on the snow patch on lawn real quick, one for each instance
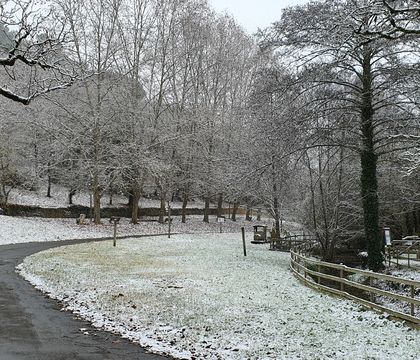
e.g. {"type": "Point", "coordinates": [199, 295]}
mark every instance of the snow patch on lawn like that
{"type": "Point", "coordinates": [197, 296]}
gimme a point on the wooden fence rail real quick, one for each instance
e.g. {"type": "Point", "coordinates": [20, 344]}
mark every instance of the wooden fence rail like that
{"type": "Point", "coordinates": [333, 278]}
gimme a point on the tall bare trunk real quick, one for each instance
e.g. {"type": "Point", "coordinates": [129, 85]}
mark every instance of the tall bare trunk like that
{"type": "Point", "coordinates": [220, 205]}
{"type": "Point", "coordinates": [96, 201]}
{"type": "Point", "coordinates": [368, 160]}
{"type": "Point", "coordinates": [184, 207]}
{"type": "Point", "coordinates": [206, 209]}
{"type": "Point", "coordinates": [235, 210]}
{"type": "Point", "coordinates": [248, 216]}
{"type": "Point", "coordinates": [49, 180]}
{"type": "Point", "coordinates": [135, 207]}
{"type": "Point", "coordinates": [72, 192]}
{"type": "Point", "coordinates": [162, 210]}
{"type": "Point", "coordinates": [275, 198]}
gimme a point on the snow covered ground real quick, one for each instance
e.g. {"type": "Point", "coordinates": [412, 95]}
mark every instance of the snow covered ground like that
{"type": "Point", "coordinates": [20, 229]}
{"type": "Point", "coordinates": [59, 198]}
{"type": "Point", "coordinates": [198, 297]}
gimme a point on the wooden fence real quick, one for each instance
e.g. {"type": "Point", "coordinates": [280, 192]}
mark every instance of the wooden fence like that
{"type": "Point", "coordinates": [334, 279]}
{"type": "Point", "coordinates": [406, 250]}
{"type": "Point", "coordinates": [288, 243]}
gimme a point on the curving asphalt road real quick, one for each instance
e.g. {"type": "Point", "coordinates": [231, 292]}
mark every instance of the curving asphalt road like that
{"type": "Point", "coordinates": [32, 327]}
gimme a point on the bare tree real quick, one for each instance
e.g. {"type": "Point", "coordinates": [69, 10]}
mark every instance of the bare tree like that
{"type": "Point", "coordinates": [322, 39]}
{"type": "Point", "coordinates": [34, 50]}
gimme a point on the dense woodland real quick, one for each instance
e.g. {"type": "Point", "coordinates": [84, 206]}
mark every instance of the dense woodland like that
{"type": "Point", "coordinates": [315, 118]}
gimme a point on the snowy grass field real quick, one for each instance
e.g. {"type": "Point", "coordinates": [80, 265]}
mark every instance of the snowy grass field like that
{"type": "Point", "coordinates": [198, 297]}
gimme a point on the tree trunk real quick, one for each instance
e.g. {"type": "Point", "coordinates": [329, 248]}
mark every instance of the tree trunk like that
{"type": "Point", "coordinates": [135, 207]}
{"type": "Point", "coordinates": [206, 209]}
{"type": "Point", "coordinates": [326, 246]}
{"type": "Point", "coordinates": [72, 192]}
{"type": "Point", "coordinates": [416, 221]}
{"type": "Point", "coordinates": [235, 210]}
{"type": "Point", "coordinates": [275, 200]}
{"type": "Point", "coordinates": [276, 214]}
{"type": "Point", "coordinates": [162, 210]}
{"type": "Point", "coordinates": [3, 201]}
{"type": "Point", "coordinates": [368, 160]}
{"type": "Point", "coordinates": [408, 224]}
{"type": "Point", "coordinates": [313, 205]}
{"type": "Point", "coordinates": [96, 206]}
{"type": "Point", "coordinates": [96, 201]}
{"type": "Point", "coordinates": [248, 216]}
{"type": "Point", "coordinates": [184, 207]}
{"type": "Point", "coordinates": [130, 198]}
{"type": "Point", "coordinates": [220, 205]}
{"type": "Point", "coordinates": [49, 180]}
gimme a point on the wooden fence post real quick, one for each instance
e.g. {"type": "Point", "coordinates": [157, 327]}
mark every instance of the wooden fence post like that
{"type": "Point", "coordinates": [341, 278]}
{"type": "Point", "coordinates": [372, 296]}
{"type": "Point", "coordinates": [319, 270]}
{"type": "Point", "coordinates": [412, 296]}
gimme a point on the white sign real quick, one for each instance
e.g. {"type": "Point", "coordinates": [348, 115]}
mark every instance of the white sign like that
{"type": "Point", "coordinates": [387, 234]}
{"type": "Point", "coordinates": [220, 219]}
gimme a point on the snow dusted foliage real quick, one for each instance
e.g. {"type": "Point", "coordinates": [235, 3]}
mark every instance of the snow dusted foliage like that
{"type": "Point", "coordinates": [34, 37]}
{"type": "Point", "coordinates": [198, 297]}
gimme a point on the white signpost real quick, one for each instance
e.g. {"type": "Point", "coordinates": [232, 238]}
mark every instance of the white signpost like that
{"type": "Point", "coordinates": [220, 220]}
{"type": "Point", "coordinates": [387, 236]}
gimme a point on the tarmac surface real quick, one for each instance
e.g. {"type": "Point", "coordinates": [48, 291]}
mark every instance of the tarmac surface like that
{"type": "Point", "coordinates": [32, 327]}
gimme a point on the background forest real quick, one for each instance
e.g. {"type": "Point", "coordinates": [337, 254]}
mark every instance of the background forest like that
{"type": "Point", "coordinates": [315, 118]}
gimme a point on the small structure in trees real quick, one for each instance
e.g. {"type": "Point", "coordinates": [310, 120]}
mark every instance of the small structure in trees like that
{"type": "Point", "coordinates": [260, 234]}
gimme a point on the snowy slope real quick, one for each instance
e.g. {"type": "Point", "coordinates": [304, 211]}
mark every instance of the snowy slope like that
{"type": "Point", "coordinates": [59, 198]}
{"type": "Point", "coordinates": [19, 229]}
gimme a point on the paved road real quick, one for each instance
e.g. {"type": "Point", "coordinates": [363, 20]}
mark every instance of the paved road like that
{"type": "Point", "coordinates": [32, 327]}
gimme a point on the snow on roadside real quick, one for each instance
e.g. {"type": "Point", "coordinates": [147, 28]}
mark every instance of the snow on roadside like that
{"type": "Point", "coordinates": [15, 230]}
{"type": "Point", "coordinates": [196, 296]}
